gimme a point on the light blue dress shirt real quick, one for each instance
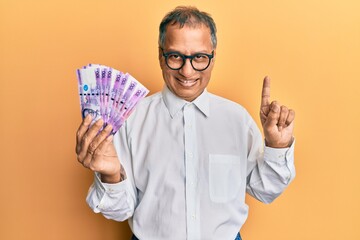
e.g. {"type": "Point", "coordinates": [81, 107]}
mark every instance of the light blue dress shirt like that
{"type": "Point", "coordinates": [188, 167]}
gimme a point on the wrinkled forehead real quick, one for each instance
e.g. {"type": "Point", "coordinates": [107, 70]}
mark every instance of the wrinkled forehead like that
{"type": "Point", "coordinates": [188, 39]}
{"type": "Point", "coordinates": [195, 26]}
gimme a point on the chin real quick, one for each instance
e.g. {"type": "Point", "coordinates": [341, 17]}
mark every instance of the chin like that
{"type": "Point", "coordinates": [188, 95]}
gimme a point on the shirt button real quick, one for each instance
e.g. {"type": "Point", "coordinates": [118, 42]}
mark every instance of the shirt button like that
{"type": "Point", "coordinates": [261, 150]}
{"type": "Point", "coordinates": [189, 126]}
{"type": "Point", "coordinates": [193, 216]}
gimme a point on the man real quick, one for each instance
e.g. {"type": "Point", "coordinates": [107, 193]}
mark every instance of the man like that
{"type": "Point", "coordinates": [180, 166]}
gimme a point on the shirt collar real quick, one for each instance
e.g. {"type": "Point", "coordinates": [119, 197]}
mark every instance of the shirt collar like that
{"type": "Point", "coordinates": [174, 104]}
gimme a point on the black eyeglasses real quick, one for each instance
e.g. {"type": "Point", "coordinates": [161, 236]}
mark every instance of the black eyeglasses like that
{"type": "Point", "coordinates": [176, 60]}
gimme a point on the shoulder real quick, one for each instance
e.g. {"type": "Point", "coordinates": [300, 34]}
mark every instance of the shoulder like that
{"type": "Point", "coordinates": [146, 106]}
{"type": "Point", "coordinates": [152, 101]}
{"type": "Point", "coordinates": [224, 104]}
{"type": "Point", "coordinates": [154, 98]}
{"type": "Point", "coordinates": [226, 108]}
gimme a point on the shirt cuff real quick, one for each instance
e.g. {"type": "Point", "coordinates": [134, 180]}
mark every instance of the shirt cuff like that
{"type": "Point", "coordinates": [110, 188]}
{"type": "Point", "coordinates": [279, 155]}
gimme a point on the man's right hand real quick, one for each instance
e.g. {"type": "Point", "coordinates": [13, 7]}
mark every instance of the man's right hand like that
{"type": "Point", "coordinates": [95, 150]}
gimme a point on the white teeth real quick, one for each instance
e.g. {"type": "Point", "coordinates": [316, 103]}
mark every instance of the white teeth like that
{"type": "Point", "coordinates": [187, 83]}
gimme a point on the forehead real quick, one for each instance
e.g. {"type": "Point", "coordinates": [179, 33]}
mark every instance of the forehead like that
{"type": "Point", "coordinates": [188, 39]}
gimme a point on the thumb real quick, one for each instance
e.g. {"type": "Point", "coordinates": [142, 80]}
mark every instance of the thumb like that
{"type": "Point", "coordinates": [273, 116]}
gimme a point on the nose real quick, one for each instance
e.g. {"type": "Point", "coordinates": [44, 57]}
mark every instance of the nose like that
{"type": "Point", "coordinates": [187, 70]}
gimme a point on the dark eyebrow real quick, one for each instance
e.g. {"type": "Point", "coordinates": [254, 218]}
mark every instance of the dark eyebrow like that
{"type": "Point", "coordinates": [195, 53]}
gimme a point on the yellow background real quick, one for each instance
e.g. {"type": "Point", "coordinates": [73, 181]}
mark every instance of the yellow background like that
{"type": "Point", "coordinates": [309, 48]}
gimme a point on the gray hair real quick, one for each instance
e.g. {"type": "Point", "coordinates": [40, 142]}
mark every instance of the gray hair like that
{"type": "Point", "coordinates": [189, 16]}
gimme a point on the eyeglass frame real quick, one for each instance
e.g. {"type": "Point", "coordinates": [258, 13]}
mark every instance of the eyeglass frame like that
{"type": "Point", "coordinates": [184, 57]}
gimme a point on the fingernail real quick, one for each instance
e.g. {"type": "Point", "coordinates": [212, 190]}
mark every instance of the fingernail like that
{"type": "Point", "coordinates": [108, 127]}
{"type": "Point", "coordinates": [100, 121]}
{"type": "Point", "coordinates": [275, 108]}
{"type": "Point", "coordinates": [88, 117]}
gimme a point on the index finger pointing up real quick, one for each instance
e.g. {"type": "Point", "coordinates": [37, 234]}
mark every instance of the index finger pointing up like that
{"type": "Point", "coordinates": [265, 95]}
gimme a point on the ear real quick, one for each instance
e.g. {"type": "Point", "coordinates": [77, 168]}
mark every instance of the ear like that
{"type": "Point", "coordinates": [160, 53]}
{"type": "Point", "coordinates": [213, 59]}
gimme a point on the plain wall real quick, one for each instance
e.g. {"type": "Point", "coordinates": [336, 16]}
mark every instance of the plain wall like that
{"type": "Point", "coordinates": [309, 48]}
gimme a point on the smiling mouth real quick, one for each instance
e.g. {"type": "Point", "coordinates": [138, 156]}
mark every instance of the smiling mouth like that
{"type": "Point", "coordinates": [187, 83]}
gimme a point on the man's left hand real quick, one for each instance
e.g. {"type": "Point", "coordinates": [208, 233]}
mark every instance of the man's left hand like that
{"type": "Point", "coordinates": [277, 120]}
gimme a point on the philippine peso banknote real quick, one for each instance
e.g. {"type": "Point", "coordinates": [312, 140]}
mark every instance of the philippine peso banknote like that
{"type": "Point", "coordinates": [108, 93]}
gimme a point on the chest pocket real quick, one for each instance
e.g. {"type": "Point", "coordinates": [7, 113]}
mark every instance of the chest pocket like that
{"type": "Point", "coordinates": [224, 177]}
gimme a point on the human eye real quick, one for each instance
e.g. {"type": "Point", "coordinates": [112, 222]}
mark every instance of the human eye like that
{"type": "Point", "coordinates": [201, 57]}
{"type": "Point", "coordinates": [174, 56]}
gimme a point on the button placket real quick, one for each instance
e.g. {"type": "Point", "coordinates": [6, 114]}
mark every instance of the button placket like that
{"type": "Point", "coordinates": [191, 171]}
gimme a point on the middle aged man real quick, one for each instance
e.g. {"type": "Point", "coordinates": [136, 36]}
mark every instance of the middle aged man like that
{"type": "Point", "coordinates": [181, 165]}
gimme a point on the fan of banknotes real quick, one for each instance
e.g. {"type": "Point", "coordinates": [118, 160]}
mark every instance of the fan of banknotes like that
{"type": "Point", "coordinates": [108, 93]}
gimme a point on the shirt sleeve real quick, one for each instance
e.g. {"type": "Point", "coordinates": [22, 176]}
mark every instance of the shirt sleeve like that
{"type": "Point", "coordinates": [115, 201]}
{"type": "Point", "coordinates": [270, 170]}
